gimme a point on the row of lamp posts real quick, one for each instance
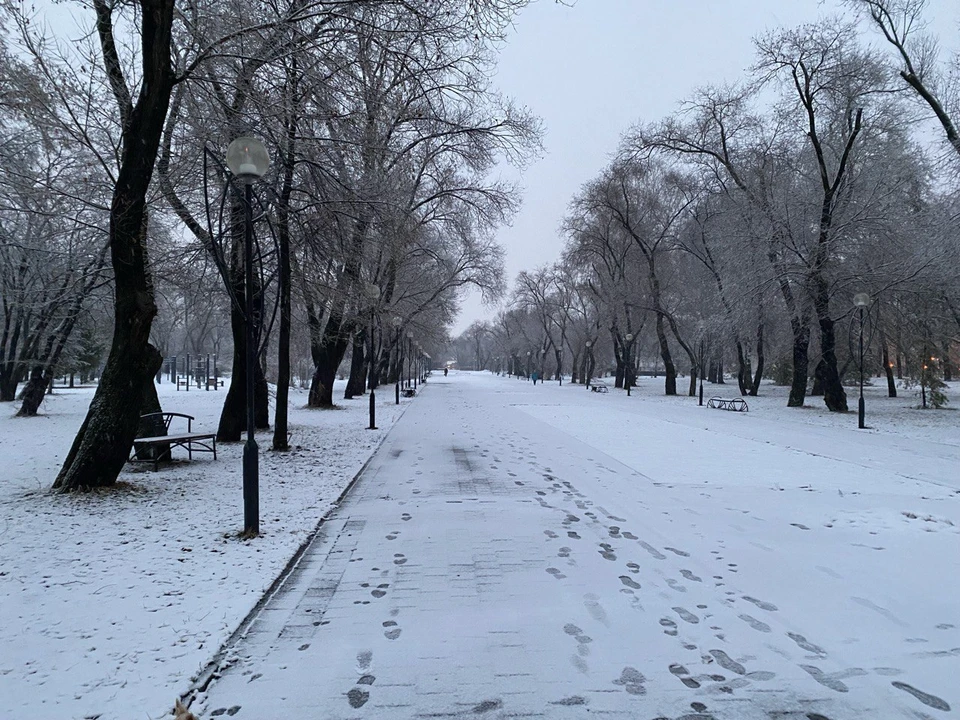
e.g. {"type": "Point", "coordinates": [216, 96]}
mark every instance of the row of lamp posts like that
{"type": "Point", "coordinates": [248, 161]}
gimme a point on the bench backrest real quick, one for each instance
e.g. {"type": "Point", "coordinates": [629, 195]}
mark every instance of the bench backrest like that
{"type": "Point", "coordinates": [165, 418]}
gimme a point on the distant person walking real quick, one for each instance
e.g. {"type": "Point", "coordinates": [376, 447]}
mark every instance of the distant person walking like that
{"type": "Point", "coordinates": [535, 375]}
{"type": "Point", "coordinates": [445, 371]}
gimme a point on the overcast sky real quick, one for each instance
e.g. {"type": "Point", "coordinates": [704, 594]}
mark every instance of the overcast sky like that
{"type": "Point", "coordinates": [592, 70]}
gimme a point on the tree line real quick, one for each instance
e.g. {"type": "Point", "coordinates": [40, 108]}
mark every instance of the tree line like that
{"type": "Point", "coordinates": [736, 232]}
{"type": "Point", "coordinates": [383, 126]}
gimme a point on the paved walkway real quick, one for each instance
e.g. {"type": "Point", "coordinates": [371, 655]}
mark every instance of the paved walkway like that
{"type": "Point", "coordinates": [477, 570]}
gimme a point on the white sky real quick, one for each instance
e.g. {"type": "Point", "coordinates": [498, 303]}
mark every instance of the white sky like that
{"type": "Point", "coordinates": [594, 69]}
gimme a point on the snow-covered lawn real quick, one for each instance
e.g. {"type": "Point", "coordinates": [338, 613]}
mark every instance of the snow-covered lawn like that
{"type": "Point", "coordinates": [110, 603]}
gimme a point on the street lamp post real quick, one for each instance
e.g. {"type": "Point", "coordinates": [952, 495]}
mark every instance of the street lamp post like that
{"type": "Point", "coordinates": [861, 301]}
{"type": "Point", "coordinates": [398, 323]}
{"type": "Point", "coordinates": [587, 361]}
{"type": "Point", "coordinates": [409, 355]}
{"type": "Point", "coordinates": [248, 160]}
{"type": "Point", "coordinates": [626, 362]}
{"type": "Point", "coordinates": [528, 364]}
{"type": "Point", "coordinates": [372, 291]}
{"type": "Point", "coordinates": [700, 363]}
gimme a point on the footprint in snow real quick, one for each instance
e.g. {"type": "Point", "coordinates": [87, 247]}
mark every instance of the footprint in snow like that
{"type": "Point", "coordinates": [762, 604]}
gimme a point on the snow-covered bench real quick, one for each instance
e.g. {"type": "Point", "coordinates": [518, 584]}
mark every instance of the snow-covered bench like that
{"type": "Point", "coordinates": [599, 387]}
{"type": "Point", "coordinates": [192, 442]}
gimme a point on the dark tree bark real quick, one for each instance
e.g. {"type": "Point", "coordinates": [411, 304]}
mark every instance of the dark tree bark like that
{"type": "Point", "coordinates": [280, 434]}
{"type": "Point", "coordinates": [888, 366]}
{"type": "Point", "coordinates": [834, 396]}
{"type": "Point", "coordinates": [817, 389]}
{"type": "Point", "coordinates": [670, 371]}
{"type": "Point", "coordinates": [33, 392]}
{"type": "Point", "coordinates": [358, 365]}
{"type": "Point", "coordinates": [101, 447]}
{"type": "Point", "coordinates": [328, 345]}
{"type": "Point", "coordinates": [801, 362]}
{"type": "Point", "coordinates": [743, 370]}
{"type": "Point", "coordinates": [618, 358]}
{"type": "Point", "coordinates": [233, 416]}
{"type": "Point", "coordinates": [758, 376]}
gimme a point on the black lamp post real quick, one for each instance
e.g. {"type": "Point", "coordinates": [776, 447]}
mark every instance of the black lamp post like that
{"type": "Point", "coordinates": [587, 362]}
{"type": "Point", "coordinates": [528, 364]}
{"type": "Point", "coordinates": [409, 356]}
{"type": "Point", "coordinates": [700, 363]}
{"type": "Point", "coordinates": [372, 291]}
{"type": "Point", "coordinates": [398, 323]}
{"type": "Point", "coordinates": [861, 301]}
{"type": "Point", "coordinates": [626, 362]}
{"type": "Point", "coordinates": [248, 160]}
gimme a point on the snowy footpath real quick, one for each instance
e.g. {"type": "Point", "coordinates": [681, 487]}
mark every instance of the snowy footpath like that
{"type": "Point", "coordinates": [112, 602]}
{"type": "Point", "coordinates": [519, 551]}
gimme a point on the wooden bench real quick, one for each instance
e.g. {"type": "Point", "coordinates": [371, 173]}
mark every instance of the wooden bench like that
{"type": "Point", "coordinates": [192, 442]}
{"type": "Point", "coordinates": [599, 388]}
{"type": "Point", "coordinates": [214, 383]}
{"type": "Point", "coordinates": [734, 404]}
{"type": "Point", "coordinates": [408, 392]}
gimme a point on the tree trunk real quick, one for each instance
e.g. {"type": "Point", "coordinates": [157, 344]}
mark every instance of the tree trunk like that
{"type": "Point", "coordinates": [328, 345]}
{"type": "Point", "coordinates": [101, 447]}
{"type": "Point", "coordinates": [758, 376]}
{"type": "Point", "coordinates": [670, 372]}
{"type": "Point", "coordinates": [280, 434]}
{"type": "Point", "coordinates": [834, 396]}
{"type": "Point", "coordinates": [801, 362]}
{"type": "Point", "coordinates": [358, 366]}
{"type": "Point", "coordinates": [33, 393]}
{"type": "Point", "coordinates": [233, 416]}
{"type": "Point", "coordinates": [817, 389]}
{"type": "Point", "coordinates": [888, 369]}
{"type": "Point", "coordinates": [8, 385]}
{"type": "Point", "coordinates": [618, 372]}
{"type": "Point", "coordinates": [743, 370]}
{"type": "Point", "coordinates": [153, 426]}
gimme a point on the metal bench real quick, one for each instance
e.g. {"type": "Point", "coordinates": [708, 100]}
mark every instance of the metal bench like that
{"type": "Point", "coordinates": [192, 442]}
{"type": "Point", "coordinates": [734, 404]}
{"type": "Point", "coordinates": [408, 392]}
{"type": "Point", "coordinates": [599, 388]}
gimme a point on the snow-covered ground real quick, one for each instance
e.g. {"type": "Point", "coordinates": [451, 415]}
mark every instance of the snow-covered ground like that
{"type": "Point", "coordinates": [111, 602]}
{"type": "Point", "coordinates": [789, 551]}
{"type": "Point", "coordinates": [520, 551]}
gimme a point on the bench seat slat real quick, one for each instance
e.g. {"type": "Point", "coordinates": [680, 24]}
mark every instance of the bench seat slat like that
{"type": "Point", "coordinates": [175, 438]}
